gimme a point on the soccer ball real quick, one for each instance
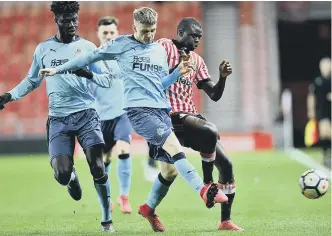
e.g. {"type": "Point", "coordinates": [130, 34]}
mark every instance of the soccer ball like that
{"type": "Point", "coordinates": [314, 184]}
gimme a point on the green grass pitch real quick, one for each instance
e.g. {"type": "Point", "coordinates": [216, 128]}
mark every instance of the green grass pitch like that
{"type": "Point", "coordinates": [268, 201]}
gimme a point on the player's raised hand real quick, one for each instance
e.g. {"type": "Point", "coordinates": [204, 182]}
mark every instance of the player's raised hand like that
{"type": "Point", "coordinates": [183, 55]}
{"type": "Point", "coordinates": [5, 98]}
{"type": "Point", "coordinates": [185, 65]}
{"type": "Point", "coordinates": [225, 68]}
{"type": "Point", "coordinates": [47, 72]}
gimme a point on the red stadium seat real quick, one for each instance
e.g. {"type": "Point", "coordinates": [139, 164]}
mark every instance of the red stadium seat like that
{"type": "Point", "coordinates": [24, 25]}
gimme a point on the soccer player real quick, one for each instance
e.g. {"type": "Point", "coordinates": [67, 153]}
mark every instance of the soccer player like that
{"type": "Point", "coordinates": [71, 106]}
{"type": "Point", "coordinates": [319, 107]}
{"type": "Point", "coordinates": [191, 128]}
{"type": "Point", "coordinates": [108, 30]}
{"type": "Point", "coordinates": [115, 125]}
{"type": "Point", "coordinates": [144, 68]}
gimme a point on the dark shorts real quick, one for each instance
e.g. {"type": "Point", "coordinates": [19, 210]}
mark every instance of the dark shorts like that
{"type": "Point", "coordinates": [61, 132]}
{"type": "Point", "coordinates": [187, 137]}
{"type": "Point", "coordinates": [153, 124]}
{"type": "Point", "coordinates": [114, 130]}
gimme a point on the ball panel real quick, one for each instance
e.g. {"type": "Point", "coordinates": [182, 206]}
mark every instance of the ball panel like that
{"type": "Point", "coordinates": [310, 193]}
{"type": "Point", "coordinates": [323, 186]}
{"type": "Point", "coordinates": [311, 179]}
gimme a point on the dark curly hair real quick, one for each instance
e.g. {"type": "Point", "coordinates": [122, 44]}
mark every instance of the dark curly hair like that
{"type": "Point", "coordinates": [60, 7]}
{"type": "Point", "coordinates": [187, 22]}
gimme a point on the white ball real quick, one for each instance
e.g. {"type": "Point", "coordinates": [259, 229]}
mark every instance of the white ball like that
{"type": "Point", "coordinates": [313, 183]}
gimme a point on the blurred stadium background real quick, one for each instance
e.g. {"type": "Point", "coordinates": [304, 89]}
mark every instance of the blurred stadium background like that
{"type": "Point", "coordinates": [272, 46]}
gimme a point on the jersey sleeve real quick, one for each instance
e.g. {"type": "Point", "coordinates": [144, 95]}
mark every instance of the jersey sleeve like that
{"type": "Point", "coordinates": [32, 80]}
{"type": "Point", "coordinates": [101, 75]}
{"type": "Point", "coordinates": [202, 72]}
{"type": "Point", "coordinates": [108, 51]}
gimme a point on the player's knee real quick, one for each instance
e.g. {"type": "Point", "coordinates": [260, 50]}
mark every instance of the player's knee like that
{"type": "Point", "coordinates": [172, 145]}
{"type": "Point", "coordinates": [107, 157]}
{"type": "Point", "coordinates": [122, 147]}
{"type": "Point", "coordinates": [97, 170]}
{"type": "Point", "coordinates": [168, 171]}
{"type": "Point", "coordinates": [63, 167]}
{"type": "Point", "coordinates": [210, 133]}
{"type": "Point", "coordinates": [209, 137]}
{"type": "Point", "coordinates": [96, 163]}
{"type": "Point", "coordinates": [169, 175]}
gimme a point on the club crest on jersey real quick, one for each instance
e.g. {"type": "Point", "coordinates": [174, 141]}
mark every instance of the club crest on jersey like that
{"type": "Point", "coordinates": [78, 51]}
{"type": "Point", "coordinates": [143, 64]}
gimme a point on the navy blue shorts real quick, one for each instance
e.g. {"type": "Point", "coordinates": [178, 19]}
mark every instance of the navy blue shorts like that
{"type": "Point", "coordinates": [114, 130]}
{"type": "Point", "coordinates": [61, 132]}
{"type": "Point", "coordinates": [188, 137]}
{"type": "Point", "coordinates": [153, 124]}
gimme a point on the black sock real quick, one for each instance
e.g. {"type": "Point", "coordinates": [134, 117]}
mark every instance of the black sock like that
{"type": "Point", "coordinates": [152, 162]}
{"type": "Point", "coordinates": [207, 171]}
{"type": "Point", "coordinates": [226, 208]}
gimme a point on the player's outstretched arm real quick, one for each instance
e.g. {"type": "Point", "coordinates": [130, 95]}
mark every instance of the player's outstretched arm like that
{"type": "Point", "coordinates": [101, 75]}
{"type": "Point", "coordinates": [179, 70]}
{"type": "Point", "coordinates": [74, 64]}
{"type": "Point", "coordinates": [107, 52]}
{"type": "Point", "coordinates": [215, 91]}
{"type": "Point", "coordinates": [28, 84]}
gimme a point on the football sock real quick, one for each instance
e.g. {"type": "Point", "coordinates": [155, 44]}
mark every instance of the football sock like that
{"type": "Point", "coordinates": [159, 190]}
{"type": "Point", "coordinates": [107, 167]}
{"type": "Point", "coordinates": [124, 170]}
{"type": "Point", "coordinates": [207, 171]}
{"type": "Point", "coordinates": [104, 195]}
{"type": "Point", "coordinates": [188, 172]}
{"type": "Point", "coordinates": [226, 208]}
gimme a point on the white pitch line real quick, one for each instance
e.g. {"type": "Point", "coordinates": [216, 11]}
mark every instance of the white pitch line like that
{"type": "Point", "coordinates": [306, 160]}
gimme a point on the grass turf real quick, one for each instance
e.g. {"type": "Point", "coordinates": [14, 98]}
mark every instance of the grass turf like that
{"type": "Point", "coordinates": [268, 201]}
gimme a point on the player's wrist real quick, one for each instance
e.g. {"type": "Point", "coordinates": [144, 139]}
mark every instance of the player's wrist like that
{"type": "Point", "coordinates": [222, 77]}
{"type": "Point", "coordinates": [7, 97]}
{"type": "Point", "coordinates": [176, 72]}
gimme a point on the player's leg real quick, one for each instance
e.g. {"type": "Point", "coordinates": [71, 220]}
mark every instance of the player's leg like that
{"type": "Point", "coordinates": [122, 136]}
{"type": "Point", "coordinates": [227, 185]}
{"type": "Point", "coordinates": [151, 169]}
{"type": "Point", "coordinates": [201, 136]}
{"type": "Point", "coordinates": [61, 145]}
{"type": "Point", "coordinates": [107, 128]}
{"type": "Point", "coordinates": [209, 193]}
{"type": "Point", "coordinates": [156, 127]}
{"type": "Point", "coordinates": [91, 139]}
{"type": "Point", "coordinates": [324, 127]}
{"type": "Point", "coordinates": [158, 191]}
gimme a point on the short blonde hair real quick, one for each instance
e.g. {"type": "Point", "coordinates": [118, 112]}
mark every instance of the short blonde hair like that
{"type": "Point", "coordinates": [145, 16]}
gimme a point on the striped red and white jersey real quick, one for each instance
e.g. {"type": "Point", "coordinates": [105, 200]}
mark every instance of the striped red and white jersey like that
{"type": "Point", "coordinates": [180, 94]}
